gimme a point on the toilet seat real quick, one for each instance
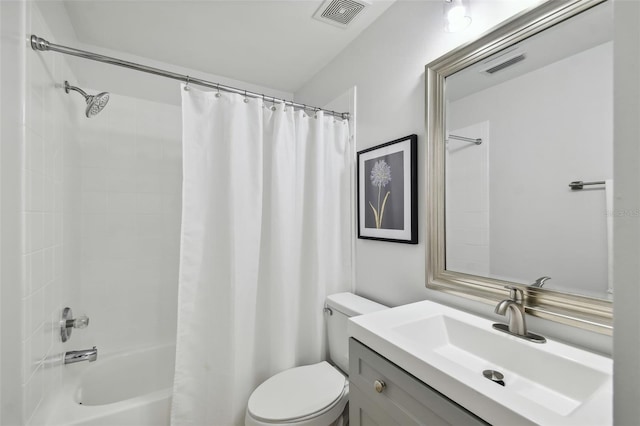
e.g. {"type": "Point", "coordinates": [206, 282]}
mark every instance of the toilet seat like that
{"type": "Point", "coordinates": [311, 394]}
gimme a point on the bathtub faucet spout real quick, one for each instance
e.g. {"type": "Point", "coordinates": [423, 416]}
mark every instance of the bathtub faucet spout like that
{"type": "Point", "coordinates": [83, 355]}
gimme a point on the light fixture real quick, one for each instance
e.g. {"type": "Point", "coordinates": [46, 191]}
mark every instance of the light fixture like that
{"type": "Point", "coordinates": [456, 15]}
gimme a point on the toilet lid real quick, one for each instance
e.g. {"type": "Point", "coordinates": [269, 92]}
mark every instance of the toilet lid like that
{"type": "Point", "coordinates": [297, 392]}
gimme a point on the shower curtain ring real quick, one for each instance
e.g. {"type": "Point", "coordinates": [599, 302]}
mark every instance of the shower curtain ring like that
{"type": "Point", "coordinates": [245, 97]}
{"type": "Point", "coordinates": [186, 86]}
{"type": "Point", "coordinates": [273, 104]}
{"type": "Point", "coordinates": [263, 105]}
{"type": "Point", "coordinates": [218, 88]}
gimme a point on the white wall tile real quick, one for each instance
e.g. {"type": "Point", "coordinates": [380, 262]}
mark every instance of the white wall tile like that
{"type": "Point", "coordinates": [27, 330]}
{"type": "Point", "coordinates": [149, 203]}
{"type": "Point", "coordinates": [47, 230]}
{"type": "Point", "coordinates": [48, 193]}
{"type": "Point", "coordinates": [94, 179]}
{"type": "Point", "coordinates": [49, 148]}
{"type": "Point", "coordinates": [131, 223]}
{"type": "Point", "coordinates": [57, 226]}
{"type": "Point", "coordinates": [33, 393]}
{"type": "Point", "coordinates": [94, 202]}
{"type": "Point", "coordinates": [121, 155]}
{"type": "Point", "coordinates": [50, 212]}
{"type": "Point", "coordinates": [57, 262]}
{"type": "Point", "coordinates": [37, 271]}
{"type": "Point", "coordinates": [27, 366]}
{"type": "Point", "coordinates": [35, 191]}
{"type": "Point", "coordinates": [35, 231]}
{"type": "Point", "coordinates": [48, 266]}
{"type": "Point", "coordinates": [172, 151]}
{"type": "Point", "coordinates": [149, 153]}
{"type": "Point", "coordinates": [149, 225]}
{"type": "Point", "coordinates": [94, 148]}
{"type": "Point", "coordinates": [122, 202]}
{"type": "Point", "coordinates": [37, 312]}
{"type": "Point", "coordinates": [26, 276]}
{"type": "Point", "coordinates": [37, 350]}
{"type": "Point", "coordinates": [35, 110]}
{"type": "Point", "coordinates": [119, 181]}
{"type": "Point", "coordinates": [58, 195]}
{"type": "Point", "coordinates": [172, 181]}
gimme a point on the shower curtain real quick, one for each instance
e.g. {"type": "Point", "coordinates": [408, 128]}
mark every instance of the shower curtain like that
{"type": "Point", "coordinates": [266, 235]}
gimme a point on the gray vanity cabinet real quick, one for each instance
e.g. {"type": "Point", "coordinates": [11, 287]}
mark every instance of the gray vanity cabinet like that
{"type": "Point", "coordinates": [381, 393]}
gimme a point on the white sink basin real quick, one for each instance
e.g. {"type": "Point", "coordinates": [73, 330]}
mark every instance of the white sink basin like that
{"type": "Point", "coordinates": [548, 384]}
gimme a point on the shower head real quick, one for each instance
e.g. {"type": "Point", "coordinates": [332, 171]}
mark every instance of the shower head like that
{"type": "Point", "coordinates": [95, 103]}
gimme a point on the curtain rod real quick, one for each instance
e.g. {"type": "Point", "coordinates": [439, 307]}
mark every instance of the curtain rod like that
{"type": "Point", "coordinates": [40, 44]}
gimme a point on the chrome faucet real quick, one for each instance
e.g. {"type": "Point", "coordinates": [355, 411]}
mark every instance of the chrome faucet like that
{"type": "Point", "coordinates": [517, 323]}
{"type": "Point", "coordinates": [540, 282]}
{"type": "Point", "coordinates": [83, 355]}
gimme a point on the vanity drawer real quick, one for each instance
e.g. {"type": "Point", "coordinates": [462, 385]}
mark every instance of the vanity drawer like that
{"type": "Point", "coordinates": [381, 393]}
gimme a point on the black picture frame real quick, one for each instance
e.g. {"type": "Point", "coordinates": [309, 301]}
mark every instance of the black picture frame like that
{"type": "Point", "coordinates": [387, 186]}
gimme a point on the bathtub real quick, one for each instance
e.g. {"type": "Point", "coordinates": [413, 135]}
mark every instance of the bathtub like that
{"type": "Point", "coordinates": [132, 388]}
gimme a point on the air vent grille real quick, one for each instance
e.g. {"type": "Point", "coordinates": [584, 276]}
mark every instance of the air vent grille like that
{"type": "Point", "coordinates": [505, 64]}
{"type": "Point", "coordinates": [339, 12]}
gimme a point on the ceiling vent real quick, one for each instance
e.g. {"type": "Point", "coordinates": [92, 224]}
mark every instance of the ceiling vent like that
{"type": "Point", "coordinates": [340, 12]}
{"type": "Point", "coordinates": [503, 62]}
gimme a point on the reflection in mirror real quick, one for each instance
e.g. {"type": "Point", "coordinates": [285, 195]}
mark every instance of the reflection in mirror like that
{"type": "Point", "coordinates": [513, 118]}
{"type": "Point", "coordinates": [521, 125]}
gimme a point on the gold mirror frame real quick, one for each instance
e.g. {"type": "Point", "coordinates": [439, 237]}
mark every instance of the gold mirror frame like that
{"type": "Point", "coordinates": [572, 309]}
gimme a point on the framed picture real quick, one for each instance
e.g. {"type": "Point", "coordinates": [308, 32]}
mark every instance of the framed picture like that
{"type": "Point", "coordinates": [388, 191]}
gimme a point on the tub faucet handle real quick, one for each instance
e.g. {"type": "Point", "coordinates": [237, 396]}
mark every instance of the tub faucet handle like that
{"type": "Point", "coordinates": [80, 322]}
{"type": "Point", "coordinates": [68, 323]}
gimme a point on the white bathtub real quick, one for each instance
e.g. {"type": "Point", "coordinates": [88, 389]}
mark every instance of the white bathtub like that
{"type": "Point", "coordinates": [124, 389]}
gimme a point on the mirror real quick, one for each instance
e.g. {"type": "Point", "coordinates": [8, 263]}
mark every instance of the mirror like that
{"type": "Point", "coordinates": [515, 119]}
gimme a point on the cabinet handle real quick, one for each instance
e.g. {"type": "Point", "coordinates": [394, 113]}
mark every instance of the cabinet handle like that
{"type": "Point", "coordinates": [379, 386]}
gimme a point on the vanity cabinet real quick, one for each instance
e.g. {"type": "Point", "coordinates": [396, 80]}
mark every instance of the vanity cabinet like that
{"type": "Point", "coordinates": [381, 393]}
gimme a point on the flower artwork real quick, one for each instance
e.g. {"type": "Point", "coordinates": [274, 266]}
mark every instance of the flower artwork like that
{"type": "Point", "coordinates": [380, 177]}
{"type": "Point", "coordinates": [384, 196]}
{"type": "Point", "coordinates": [387, 191]}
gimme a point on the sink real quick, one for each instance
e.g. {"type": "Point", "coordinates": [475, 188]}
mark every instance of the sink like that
{"type": "Point", "coordinates": [539, 376]}
{"type": "Point", "coordinates": [551, 383]}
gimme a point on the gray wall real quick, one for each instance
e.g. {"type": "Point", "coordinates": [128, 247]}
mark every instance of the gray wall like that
{"type": "Point", "coordinates": [386, 63]}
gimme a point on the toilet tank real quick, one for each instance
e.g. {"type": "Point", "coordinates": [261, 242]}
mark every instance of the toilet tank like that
{"type": "Point", "coordinates": [342, 306]}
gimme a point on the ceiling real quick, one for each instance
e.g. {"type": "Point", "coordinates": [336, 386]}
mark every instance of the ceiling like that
{"type": "Point", "coordinates": [270, 43]}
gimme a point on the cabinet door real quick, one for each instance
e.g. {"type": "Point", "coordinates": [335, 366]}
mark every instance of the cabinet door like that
{"type": "Point", "coordinates": [364, 412]}
{"type": "Point", "coordinates": [402, 400]}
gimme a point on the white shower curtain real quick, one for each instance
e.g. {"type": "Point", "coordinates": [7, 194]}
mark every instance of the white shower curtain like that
{"type": "Point", "coordinates": [265, 237]}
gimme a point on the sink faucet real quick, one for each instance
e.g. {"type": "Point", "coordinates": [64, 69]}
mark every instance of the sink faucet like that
{"type": "Point", "coordinates": [83, 355]}
{"type": "Point", "coordinates": [517, 324]}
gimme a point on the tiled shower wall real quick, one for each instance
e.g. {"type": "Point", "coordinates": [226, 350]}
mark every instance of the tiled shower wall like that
{"type": "Point", "coordinates": [50, 210]}
{"type": "Point", "coordinates": [101, 215]}
{"type": "Point", "coordinates": [130, 239]}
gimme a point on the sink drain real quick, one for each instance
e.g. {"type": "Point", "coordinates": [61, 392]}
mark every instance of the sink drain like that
{"type": "Point", "coordinates": [494, 376]}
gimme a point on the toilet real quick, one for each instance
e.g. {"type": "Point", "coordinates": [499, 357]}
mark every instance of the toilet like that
{"type": "Point", "coordinates": [317, 394]}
